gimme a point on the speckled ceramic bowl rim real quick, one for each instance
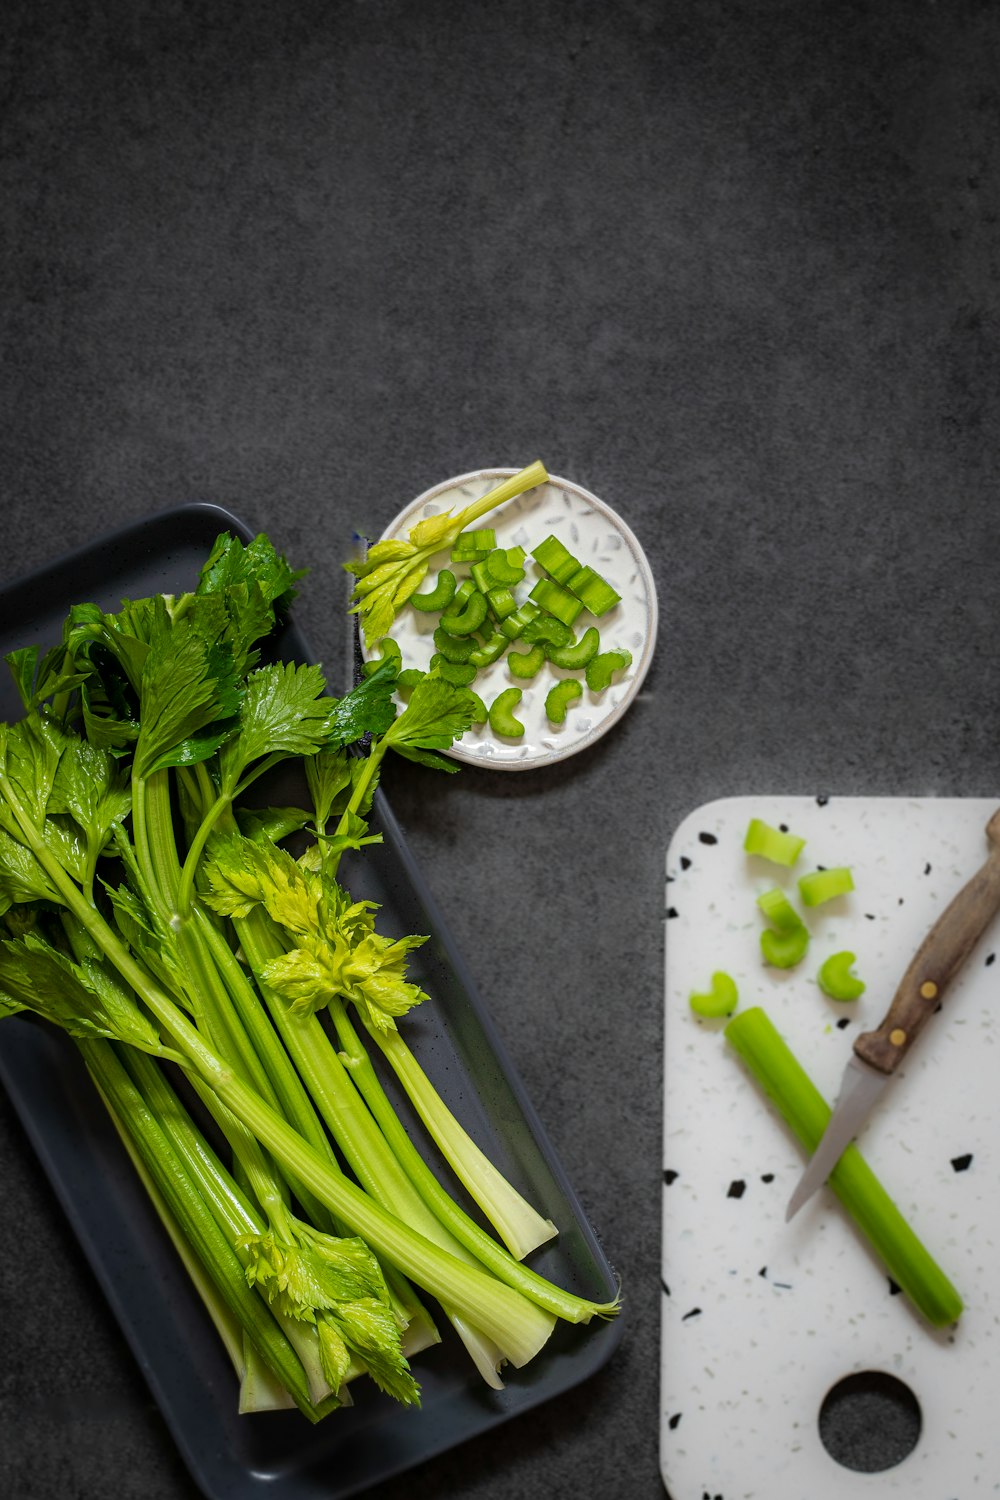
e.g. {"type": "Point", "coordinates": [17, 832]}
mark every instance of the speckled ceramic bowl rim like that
{"type": "Point", "coordinates": [640, 667]}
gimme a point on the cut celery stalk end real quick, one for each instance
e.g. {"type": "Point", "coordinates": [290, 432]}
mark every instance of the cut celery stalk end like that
{"type": "Point", "coordinates": [520, 1226]}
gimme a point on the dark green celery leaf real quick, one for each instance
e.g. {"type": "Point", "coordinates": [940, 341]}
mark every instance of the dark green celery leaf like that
{"type": "Point", "coordinates": [437, 714]}
{"type": "Point", "coordinates": [283, 712]}
{"type": "Point", "coordinates": [259, 564]}
{"type": "Point", "coordinates": [367, 709]}
{"type": "Point", "coordinates": [190, 697]}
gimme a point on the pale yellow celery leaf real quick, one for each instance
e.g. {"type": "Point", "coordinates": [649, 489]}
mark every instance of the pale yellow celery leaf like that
{"type": "Point", "coordinates": [305, 980]}
{"type": "Point", "coordinates": [392, 549]}
{"type": "Point", "coordinates": [334, 1355]}
{"type": "Point", "coordinates": [387, 575]}
{"type": "Point", "coordinates": [409, 585]}
{"type": "Point", "coordinates": [435, 531]}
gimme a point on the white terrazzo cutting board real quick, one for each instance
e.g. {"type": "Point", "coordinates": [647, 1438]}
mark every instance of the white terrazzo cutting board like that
{"type": "Point", "coordinates": [761, 1319]}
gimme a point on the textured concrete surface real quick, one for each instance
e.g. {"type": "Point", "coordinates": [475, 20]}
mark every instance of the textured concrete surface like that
{"type": "Point", "coordinates": [733, 267]}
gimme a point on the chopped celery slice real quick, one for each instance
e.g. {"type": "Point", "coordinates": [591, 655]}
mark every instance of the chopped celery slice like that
{"type": "Point", "coordinates": [501, 601]}
{"type": "Point", "coordinates": [807, 1113]}
{"type": "Point", "coordinates": [501, 714]}
{"type": "Point", "coordinates": [408, 679]}
{"type": "Point", "coordinates": [440, 596]}
{"type": "Point", "coordinates": [506, 566]}
{"type": "Point", "coordinates": [491, 649]}
{"type": "Point", "coordinates": [557, 600]}
{"type": "Point", "coordinates": [579, 654]}
{"type": "Point", "coordinates": [594, 592]}
{"type": "Point", "coordinates": [461, 673]}
{"type": "Point", "coordinates": [823, 885]}
{"type": "Point", "coordinates": [721, 1000]}
{"type": "Point", "coordinates": [469, 619]}
{"type": "Point", "coordinates": [836, 980]}
{"type": "Point", "coordinates": [783, 950]}
{"type": "Point", "coordinates": [454, 647]}
{"type": "Point", "coordinates": [514, 625]}
{"type": "Point", "coordinates": [784, 943]}
{"type": "Point", "coordinates": [559, 698]}
{"type": "Point", "coordinates": [387, 648]}
{"type": "Point", "coordinates": [600, 671]}
{"type": "Point", "coordinates": [779, 911]}
{"type": "Point", "coordinates": [555, 559]}
{"type": "Point", "coordinates": [774, 844]}
{"type": "Point", "coordinates": [526, 663]}
{"type": "Point", "coordinates": [473, 546]}
{"type": "Point", "coordinates": [463, 594]}
{"type": "Point", "coordinates": [548, 630]}
{"type": "Point", "coordinates": [481, 576]}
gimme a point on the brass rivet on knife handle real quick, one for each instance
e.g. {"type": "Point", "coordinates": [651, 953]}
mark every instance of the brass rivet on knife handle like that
{"type": "Point", "coordinates": [937, 961]}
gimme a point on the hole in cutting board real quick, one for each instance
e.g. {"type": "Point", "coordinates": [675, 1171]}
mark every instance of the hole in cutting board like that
{"type": "Point", "coordinates": [869, 1422]}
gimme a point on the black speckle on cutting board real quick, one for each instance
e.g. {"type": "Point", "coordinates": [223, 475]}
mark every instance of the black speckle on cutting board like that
{"type": "Point", "coordinates": [782, 827]}
{"type": "Point", "coordinates": [670, 1176]}
{"type": "Point", "coordinates": [939, 1006]}
{"type": "Point", "coordinates": [707, 838]}
{"type": "Point", "coordinates": [869, 916]}
{"type": "Point", "coordinates": [685, 862]}
{"type": "Point", "coordinates": [990, 958]}
{"type": "Point", "coordinates": [671, 879]}
{"type": "Point", "coordinates": [666, 1289]}
{"type": "Point", "coordinates": [674, 1422]}
{"type": "Point", "coordinates": [736, 1188]}
{"type": "Point", "coordinates": [763, 1272]}
{"type": "Point", "coordinates": [767, 1177]}
{"type": "Point", "coordinates": [962, 1163]}
{"type": "Point", "coordinates": [844, 1021]}
{"type": "Point", "coordinates": [822, 801]}
{"type": "Point", "coordinates": [671, 912]}
{"type": "Point", "coordinates": [927, 868]}
{"type": "Point", "coordinates": [894, 1287]}
{"type": "Point", "coordinates": [694, 1313]}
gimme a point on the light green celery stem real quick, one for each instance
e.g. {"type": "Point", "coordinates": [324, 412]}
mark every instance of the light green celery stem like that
{"type": "Point", "coordinates": [234, 1213]}
{"type": "Point", "coordinates": [227, 1325]}
{"type": "Point", "coordinates": [186, 885]}
{"type": "Point", "coordinates": [563, 1304]}
{"type": "Point", "coordinates": [293, 1097]}
{"type": "Point", "coordinates": [229, 1010]}
{"type": "Point", "coordinates": [195, 1218]}
{"type": "Point", "coordinates": [363, 1144]}
{"type": "Point", "coordinates": [232, 1209]}
{"type": "Point", "coordinates": [804, 1109]}
{"type": "Point", "coordinates": [514, 1322]}
{"type": "Point", "coordinates": [525, 479]}
{"type": "Point", "coordinates": [295, 1104]}
{"type": "Point", "coordinates": [520, 1226]}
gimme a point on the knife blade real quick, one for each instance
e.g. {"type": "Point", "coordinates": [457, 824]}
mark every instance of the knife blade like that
{"type": "Point", "coordinates": [877, 1054]}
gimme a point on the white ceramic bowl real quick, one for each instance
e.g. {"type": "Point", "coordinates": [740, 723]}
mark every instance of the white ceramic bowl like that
{"type": "Point", "coordinates": [594, 534]}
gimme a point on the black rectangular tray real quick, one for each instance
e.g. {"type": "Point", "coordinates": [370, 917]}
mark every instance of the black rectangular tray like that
{"type": "Point", "coordinates": [233, 1457]}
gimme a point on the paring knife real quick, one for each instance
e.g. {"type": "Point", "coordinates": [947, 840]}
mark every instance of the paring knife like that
{"type": "Point", "coordinates": [878, 1053]}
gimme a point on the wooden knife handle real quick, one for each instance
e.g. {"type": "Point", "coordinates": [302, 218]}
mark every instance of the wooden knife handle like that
{"type": "Point", "coordinates": [939, 958]}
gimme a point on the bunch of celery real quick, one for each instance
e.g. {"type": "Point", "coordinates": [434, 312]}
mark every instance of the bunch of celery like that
{"type": "Point", "coordinates": [170, 932]}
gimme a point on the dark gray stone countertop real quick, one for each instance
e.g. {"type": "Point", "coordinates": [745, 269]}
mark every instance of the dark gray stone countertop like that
{"type": "Point", "coordinates": [735, 268]}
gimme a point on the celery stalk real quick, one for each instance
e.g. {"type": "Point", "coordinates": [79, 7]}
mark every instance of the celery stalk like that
{"type": "Point", "coordinates": [805, 1111]}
